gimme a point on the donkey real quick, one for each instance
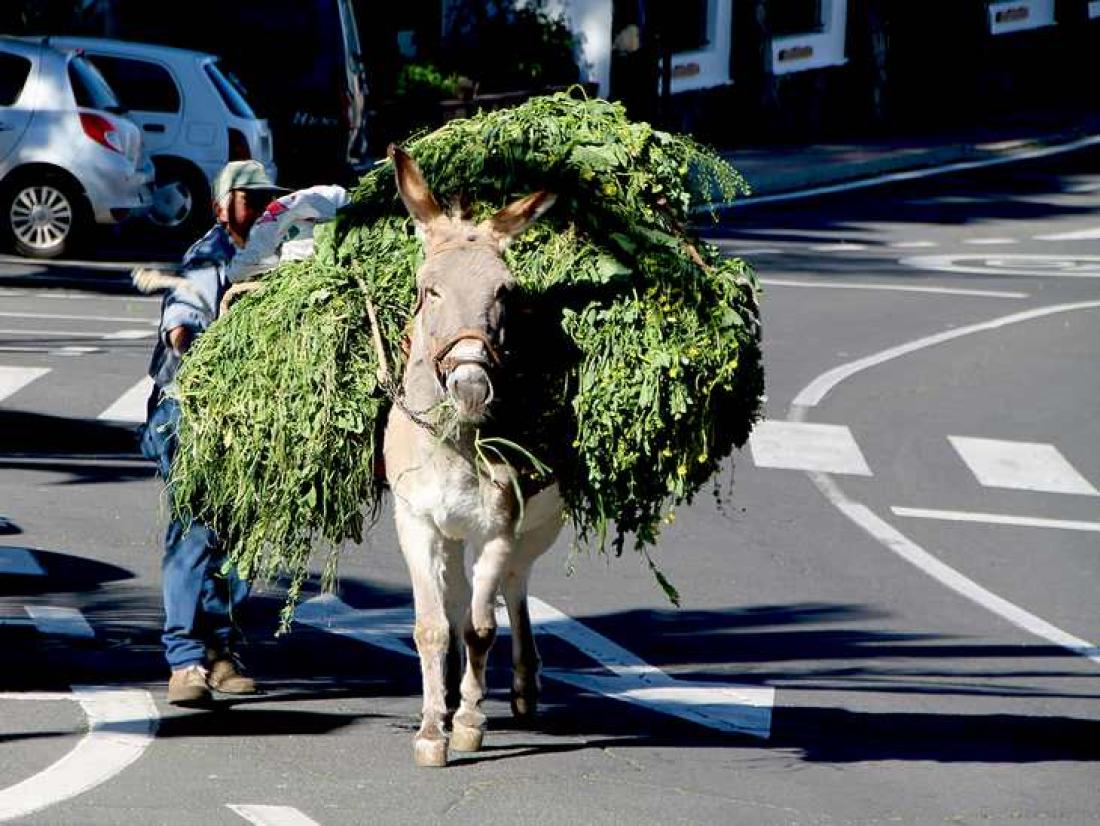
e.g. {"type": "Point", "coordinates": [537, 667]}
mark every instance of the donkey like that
{"type": "Point", "coordinates": [444, 498]}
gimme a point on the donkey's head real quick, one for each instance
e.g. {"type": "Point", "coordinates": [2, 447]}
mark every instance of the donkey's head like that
{"type": "Point", "coordinates": [462, 287]}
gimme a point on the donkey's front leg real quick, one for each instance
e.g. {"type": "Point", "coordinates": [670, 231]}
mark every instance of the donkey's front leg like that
{"type": "Point", "coordinates": [480, 631]}
{"type": "Point", "coordinates": [426, 551]}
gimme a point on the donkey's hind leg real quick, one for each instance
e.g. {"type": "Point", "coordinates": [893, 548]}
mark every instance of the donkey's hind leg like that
{"type": "Point", "coordinates": [425, 552]}
{"type": "Point", "coordinates": [540, 529]}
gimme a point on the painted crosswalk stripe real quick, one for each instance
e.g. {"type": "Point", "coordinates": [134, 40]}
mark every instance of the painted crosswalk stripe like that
{"type": "Point", "coordinates": [902, 288]}
{"type": "Point", "coordinates": [988, 242]}
{"type": "Point", "coordinates": [997, 519]}
{"type": "Point", "coordinates": [14, 379]}
{"type": "Point", "coordinates": [842, 246]}
{"type": "Point", "coordinates": [1021, 466]}
{"type": "Point", "coordinates": [19, 561]}
{"type": "Point", "coordinates": [826, 448]}
{"type": "Point", "coordinates": [130, 406]}
{"type": "Point", "coordinates": [55, 619]}
{"type": "Point", "coordinates": [721, 706]}
{"type": "Point", "coordinates": [271, 815]}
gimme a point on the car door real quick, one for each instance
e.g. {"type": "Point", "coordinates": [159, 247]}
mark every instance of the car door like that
{"type": "Point", "coordinates": [150, 94]}
{"type": "Point", "coordinates": [15, 110]}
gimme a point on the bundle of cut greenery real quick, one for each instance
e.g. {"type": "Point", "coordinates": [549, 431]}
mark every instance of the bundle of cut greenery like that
{"type": "Point", "coordinates": [634, 363]}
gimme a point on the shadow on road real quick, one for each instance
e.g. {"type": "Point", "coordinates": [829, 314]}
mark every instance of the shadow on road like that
{"type": "Point", "coordinates": [794, 642]}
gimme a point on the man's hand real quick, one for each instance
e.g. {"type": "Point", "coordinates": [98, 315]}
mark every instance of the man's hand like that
{"type": "Point", "coordinates": [180, 338]}
{"type": "Point", "coordinates": [151, 279]}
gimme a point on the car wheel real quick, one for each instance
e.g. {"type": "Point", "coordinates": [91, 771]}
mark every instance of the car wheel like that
{"type": "Point", "coordinates": [43, 216]}
{"type": "Point", "coordinates": [180, 200]}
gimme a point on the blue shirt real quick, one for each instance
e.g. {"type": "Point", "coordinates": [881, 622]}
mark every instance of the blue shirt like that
{"type": "Point", "coordinates": [204, 266]}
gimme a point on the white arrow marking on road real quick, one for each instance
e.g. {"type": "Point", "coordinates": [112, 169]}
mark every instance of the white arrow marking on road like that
{"type": "Point", "coordinates": [721, 706]}
{"type": "Point", "coordinates": [271, 815]}
{"type": "Point", "coordinates": [130, 406]}
{"type": "Point", "coordinates": [14, 379]}
{"type": "Point", "coordinates": [121, 724]}
{"type": "Point", "coordinates": [19, 561]}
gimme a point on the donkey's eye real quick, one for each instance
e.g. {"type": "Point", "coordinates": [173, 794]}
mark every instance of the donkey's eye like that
{"type": "Point", "coordinates": [432, 292]}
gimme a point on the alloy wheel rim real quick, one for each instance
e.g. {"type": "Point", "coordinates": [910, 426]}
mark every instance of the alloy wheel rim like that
{"type": "Point", "coordinates": [172, 204]}
{"type": "Point", "coordinates": [41, 217]}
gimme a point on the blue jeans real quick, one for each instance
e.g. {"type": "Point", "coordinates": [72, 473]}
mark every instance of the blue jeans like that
{"type": "Point", "coordinates": [199, 600]}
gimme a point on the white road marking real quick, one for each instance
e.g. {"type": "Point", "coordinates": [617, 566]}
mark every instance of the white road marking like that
{"type": "Point", "coordinates": [74, 350]}
{"type": "Point", "coordinates": [66, 317]}
{"type": "Point", "coordinates": [991, 242]}
{"type": "Point", "coordinates": [914, 554]}
{"type": "Point", "coordinates": [271, 815]}
{"type": "Point", "coordinates": [121, 724]}
{"type": "Point", "coordinates": [55, 619]}
{"type": "Point", "coordinates": [130, 406]}
{"type": "Point", "coordinates": [848, 285]}
{"type": "Point", "coordinates": [1060, 266]}
{"type": "Point", "coordinates": [997, 519]}
{"type": "Point", "coordinates": [725, 707]}
{"type": "Point", "coordinates": [838, 247]}
{"type": "Point", "coordinates": [750, 250]}
{"type": "Point", "coordinates": [1091, 234]}
{"type": "Point", "coordinates": [907, 175]}
{"type": "Point", "coordinates": [14, 379]}
{"type": "Point", "coordinates": [827, 448]}
{"type": "Point", "coordinates": [905, 245]}
{"type": "Point", "coordinates": [124, 335]}
{"type": "Point", "coordinates": [19, 561]}
{"type": "Point", "coordinates": [897, 542]}
{"type": "Point", "coordinates": [1021, 466]}
{"type": "Point", "coordinates": [812, 394]}
{"type": "Point", "coordinates": [81, 265]}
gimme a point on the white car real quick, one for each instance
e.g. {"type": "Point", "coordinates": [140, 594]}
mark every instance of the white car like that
{"type": "Point", "coordinates": [193, 115]}
{"type": "Point", "coordinates": [68, 158]}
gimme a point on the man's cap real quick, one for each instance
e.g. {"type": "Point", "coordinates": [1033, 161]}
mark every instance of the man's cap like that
{"type": "Point", "coordinates": [244, 175]}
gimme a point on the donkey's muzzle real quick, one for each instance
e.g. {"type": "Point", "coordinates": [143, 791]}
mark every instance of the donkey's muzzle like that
{"type": "Point", "coordinates": [465, 371]}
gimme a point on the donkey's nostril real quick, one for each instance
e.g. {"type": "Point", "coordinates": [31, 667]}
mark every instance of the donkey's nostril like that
{"type": "Point", "coordinates": [469, 386]}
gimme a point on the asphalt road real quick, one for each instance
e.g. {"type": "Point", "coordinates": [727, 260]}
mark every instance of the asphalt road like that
{"type": "Point", "coordinates": [892, 621]}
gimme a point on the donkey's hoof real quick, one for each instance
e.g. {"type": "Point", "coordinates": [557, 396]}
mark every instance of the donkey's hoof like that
{"type": "Point", "coordinates": [466, 738]}
{"type": "Point", "coordinates": [430, 753]}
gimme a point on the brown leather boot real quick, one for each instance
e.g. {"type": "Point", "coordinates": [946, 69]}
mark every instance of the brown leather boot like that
{"type": "Point", "coordinates": [225, 675]}
{"type": "Point", "coordinates": [187, 687]}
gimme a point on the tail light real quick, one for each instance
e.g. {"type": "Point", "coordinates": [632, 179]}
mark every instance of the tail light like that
{"type": "Point", "coordinates": [103, 131]}
{"type": "Point", "coordinates": [238, 146]}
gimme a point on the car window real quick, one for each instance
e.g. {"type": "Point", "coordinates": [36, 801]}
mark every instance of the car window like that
{"type": "Point", "coordinates": [89, 88]}
{"type": "Point", "coordinates": [229, 90]}
{"type": "Point", "coordinates": [139, 84]}
{"type": "Point", "coordinates": [14, 70]}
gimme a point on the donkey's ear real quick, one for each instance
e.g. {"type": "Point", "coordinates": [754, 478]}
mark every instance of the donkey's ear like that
{"type": "Point", "coordinates": [518, 215]}
{"type": "Point", "coordinates": [412, 187]}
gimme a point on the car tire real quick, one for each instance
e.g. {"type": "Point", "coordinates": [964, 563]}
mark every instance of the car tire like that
{"type": "Point", "coordinates": [181, 200]}
{"type": "Point", "coordinates": [43, 215]}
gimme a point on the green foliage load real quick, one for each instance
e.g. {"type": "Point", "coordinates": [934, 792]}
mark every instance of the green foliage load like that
{"type": "Point", "coordinates": [634, 364]}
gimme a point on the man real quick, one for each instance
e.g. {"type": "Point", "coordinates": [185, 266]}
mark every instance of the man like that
{"type": "Point", "coordinates": [201, 597]}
